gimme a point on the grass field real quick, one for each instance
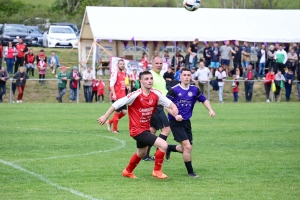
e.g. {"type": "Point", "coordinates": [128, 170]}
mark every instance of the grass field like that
{"type": "Point", "coordinates": [58, 151]}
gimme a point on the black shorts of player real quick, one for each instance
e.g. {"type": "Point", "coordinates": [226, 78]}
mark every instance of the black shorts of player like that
{"type": "Point", "coordinates": [122, 108]}
{"type": "Point", "coordinates": [181, 130]}
{"type": "Point", "coordinates": [146, 138]}
{"type": "Point", "coordinates": [159, 119]}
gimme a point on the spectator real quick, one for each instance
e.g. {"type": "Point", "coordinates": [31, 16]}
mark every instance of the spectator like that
{"type": "Point", "coordinates": [88, 77]}
{"type": "Point", "coordinates": [289, 78]}
{"type": "Point", "coordinates": [249, 76]}
{"type": "Point", "coordinates": [4, 76]}
{"type": "Point", "coordinates": [187, 59]}
{"type": "Point", "coordinates": [235, 88]}
{"type": "Point", "coordinates": [145, 60]}
{"type": "Point", "coordinates": [169, 77]}
{"type": "Point", "coordinates": [271, 58]}
{"type": "Point", "coordinates": [100, 89]}
{"type": "Point", "coordinates": [156, 54]}
{"type": "Point", "coordinates": [144, 69]}
{"type": "Point", "coordinates": [215, 57]}
{"type": "Point", "coordinates": [134, 81]}
{"type": "Point", "coordinates": [21, 78]}
{"type": "Point", "coordinates": [29, 62]}
{"type": "Point", "coordinates": [20, 58]}
{"type": "Point", "coordinates": [166, 58]}
{"type": "Point", "coordinates": [203, 76]}
{"type": "Point", "coordinates": [178, 60]}
{"type": "Point", "coordinates": [221, 77]}
{"type": "Point", "coordinates": [225, 55]}
{"type": "Point", "coordinates": [279, 83]}
{"type": "Point", "coordinates": [206, 54]}
{"type": "Point", "coordinates": [193, 50]}
{"type": "Point", "coordinates": [62, 83]}
{"type": "Point", "coordinates": [237, 60]}
{"type": "Point", "coordinates": [1, 54]}
{"type": "Point", "coordinates": [177, 74]}
{"type": "Point", "coordinates": [262, 59]}
{"type": "Point", "coordinates": [276, 46]}
{"type": "Point", "coordinates": [292, 60]}
{"type": "Point", "coordinates": [42, 65]}
{"type": "Point", "coordinates": [94, 90]}
{"type": "Point", "coordinates": [270, 78]}
{"type": "Point", "coordinates": [298, 84]}
{"type": "Point", "coordinates": [75, 78]}
{"type": "Point", "coordinates": [246, 56]}
{"type": "Point", "coordinates": [10, 52]}
{"type": "Point", "coordinates": [41, 54]}
{"type": "Point", "coordinates": [53, 62]}
{"type": "Point", "coordinates": [281, 58]}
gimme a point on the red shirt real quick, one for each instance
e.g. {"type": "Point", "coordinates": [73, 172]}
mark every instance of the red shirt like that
{"type": "Point", "coordinates": [21, 54]}
{"type": "Point", "coordinates": [269, 78]}
{"type": "Point", "coordinates": [236, 89]}
{"type": "Point", "coordinates": [10, 52]}
{"type": "Point", "coordinates": [100, 87]}
{"type": "Point", "coordinates": [141, 108]}
{"type": "Point", "coordinates": [94, 85]}
{"type": "Point", "coordinates": [117, 80]}
{"type": "Point", "coordinates": [250, 75]}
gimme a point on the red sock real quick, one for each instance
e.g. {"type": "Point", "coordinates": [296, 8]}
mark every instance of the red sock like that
{"type": "Point", "coordinates": [121, 114]}
{"type": "Point", "coordinates": [134, 161]}
{"type": "Point", "coordinates": [116, 116]}
{"type": "Point", "coordinates": [159, 159]}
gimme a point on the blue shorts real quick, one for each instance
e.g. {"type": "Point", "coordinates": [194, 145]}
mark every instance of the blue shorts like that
{"type": "Point", "coordinates": [225, 62]}
{"type": "Point", "coordinates": [214, 65]}
{"type": "Point", "coordinates": [245, 64]}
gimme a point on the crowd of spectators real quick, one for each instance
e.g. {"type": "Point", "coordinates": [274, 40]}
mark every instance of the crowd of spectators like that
{"type": "Point", "coordinates": [275, 65]}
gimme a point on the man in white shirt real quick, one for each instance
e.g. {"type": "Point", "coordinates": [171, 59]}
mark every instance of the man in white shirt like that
{"type": "Point", "coordinates": [166, 58]}
{"type": "Point", "coordinates": [203, 74]}
{"type": "Point", "coordinates": [262, 58]}
{"type": "Point", "coordinates": [88, 77]}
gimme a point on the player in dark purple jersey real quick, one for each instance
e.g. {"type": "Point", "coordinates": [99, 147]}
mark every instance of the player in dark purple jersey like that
{"type": "Point", "coordinates": [184, 96]}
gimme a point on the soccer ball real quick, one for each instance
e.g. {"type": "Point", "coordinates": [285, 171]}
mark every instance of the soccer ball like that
{"type": "Point", "coordinates": [191, 5]}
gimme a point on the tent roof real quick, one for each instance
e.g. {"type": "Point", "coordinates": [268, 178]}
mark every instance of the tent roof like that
{"type": "Point", "coordinates": [178, 24]}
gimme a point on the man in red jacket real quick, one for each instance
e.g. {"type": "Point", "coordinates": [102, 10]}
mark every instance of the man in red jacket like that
{"type": "Point", "coordinates": [20, 58]}
{"type": "Point", "coordinates": [1, 54]}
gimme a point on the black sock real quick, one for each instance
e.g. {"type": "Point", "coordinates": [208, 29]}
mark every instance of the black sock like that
{"type": "Point", "coordinates": [102, 97]}
{"type": "Point", "coordinates": [172, 148]}
{"type": "Point", "coordinates": [189, 167]}
{"type": "Point", "coordinates": [148, 152]}
{"type": "Point", "coordinates": [163, 137]}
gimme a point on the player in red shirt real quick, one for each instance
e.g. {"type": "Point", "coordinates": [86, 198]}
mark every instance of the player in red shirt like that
{"type": "Point", "coordinates": [141, 106]}
{"type": "Point", "coordinates": [117, 87]}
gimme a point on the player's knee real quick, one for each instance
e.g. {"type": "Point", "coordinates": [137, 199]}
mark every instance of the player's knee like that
{"type": "Point", "coordinates": [124, 112]}
{"type": "Point", "coordinates": [163, 146]}
{"type": "Point", "coordinates": [141, 154]}
{"type": "Point", "coordinates": [187, 147]}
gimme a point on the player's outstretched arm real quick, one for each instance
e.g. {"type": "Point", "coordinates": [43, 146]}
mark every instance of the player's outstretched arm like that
{"type": "Point", "coordinates": [103, 118]}
{"type": "Point", "coordinates": [208, 106]}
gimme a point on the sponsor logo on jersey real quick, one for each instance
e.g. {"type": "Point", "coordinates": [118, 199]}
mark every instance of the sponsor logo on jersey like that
{"type": "Point", "coordinates": [190, 94]}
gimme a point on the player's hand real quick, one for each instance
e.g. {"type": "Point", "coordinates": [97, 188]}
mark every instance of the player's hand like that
{"type": "Point", "coordinates": [114, 97]}
{"type": "Point", "coordinates": [212, 113]}
{"type": "Point", "coordinates": [102, 120]}
{"type": "Point", "coordinates": [178, 118]}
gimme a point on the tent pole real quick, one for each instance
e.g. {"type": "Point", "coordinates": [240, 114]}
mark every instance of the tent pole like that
{"type": "Point", "coordinates": [106, 51]}
{"type": "Point", "coordinates": [94, 57]}
{"type": "Point", "coordinates": [134, 50]}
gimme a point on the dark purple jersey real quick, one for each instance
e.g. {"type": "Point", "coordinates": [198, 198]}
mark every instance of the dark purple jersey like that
{"type": "Point", "coordinates": [185, 100]}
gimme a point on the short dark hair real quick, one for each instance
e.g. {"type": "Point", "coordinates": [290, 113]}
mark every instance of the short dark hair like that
{"type": "Point", "coordinates": [42, 50]}
{"type": "Point", "coordinates": [121, 60]}
{"type": "Point", "coordinates": [280, 45]}
{"type": "Point", "coordinates": [143, 74]}
{"type": "Point", "coordinates": [186, 69]}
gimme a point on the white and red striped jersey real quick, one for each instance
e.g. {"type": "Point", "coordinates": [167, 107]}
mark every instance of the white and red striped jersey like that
{"type": "Point", "coordinates": [141, 108]}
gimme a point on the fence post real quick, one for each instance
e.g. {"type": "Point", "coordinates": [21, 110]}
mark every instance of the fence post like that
{"type": "Point", "coordinates": [208, 91]}
{"type": "Point", "coordinates": [77, 94]}
{"type": "Point", "coordinates": [10, 90]}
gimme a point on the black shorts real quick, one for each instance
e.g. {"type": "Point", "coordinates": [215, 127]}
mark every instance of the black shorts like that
{"type": "Point", "coordinates": [146, 138]}
{"type": "Point", "coordinates": [159, 119]}
{"type": "Point", "coordinates": [181, 130]}
{"type": "Point", "coordinates": [122, 108]}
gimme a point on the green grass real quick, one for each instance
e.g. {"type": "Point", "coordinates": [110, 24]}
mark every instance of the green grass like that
{"type": "Point", "coordinates": [248, 151]}
{"type": "Point", "coordinates": [39, 2]}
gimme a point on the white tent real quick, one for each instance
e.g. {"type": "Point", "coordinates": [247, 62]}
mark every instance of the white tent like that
{"type": "Point", "coordinates": [112, 24]}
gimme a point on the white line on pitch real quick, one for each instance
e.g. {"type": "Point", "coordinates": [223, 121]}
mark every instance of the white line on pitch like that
{"type": "Point", "coordinates": [40, 177]}
{"type": "Point", "coordinates": [122, 142]}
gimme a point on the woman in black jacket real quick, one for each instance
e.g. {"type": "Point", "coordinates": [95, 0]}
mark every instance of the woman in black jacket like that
{"type": "Point", "coordinates": [21, 77]}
